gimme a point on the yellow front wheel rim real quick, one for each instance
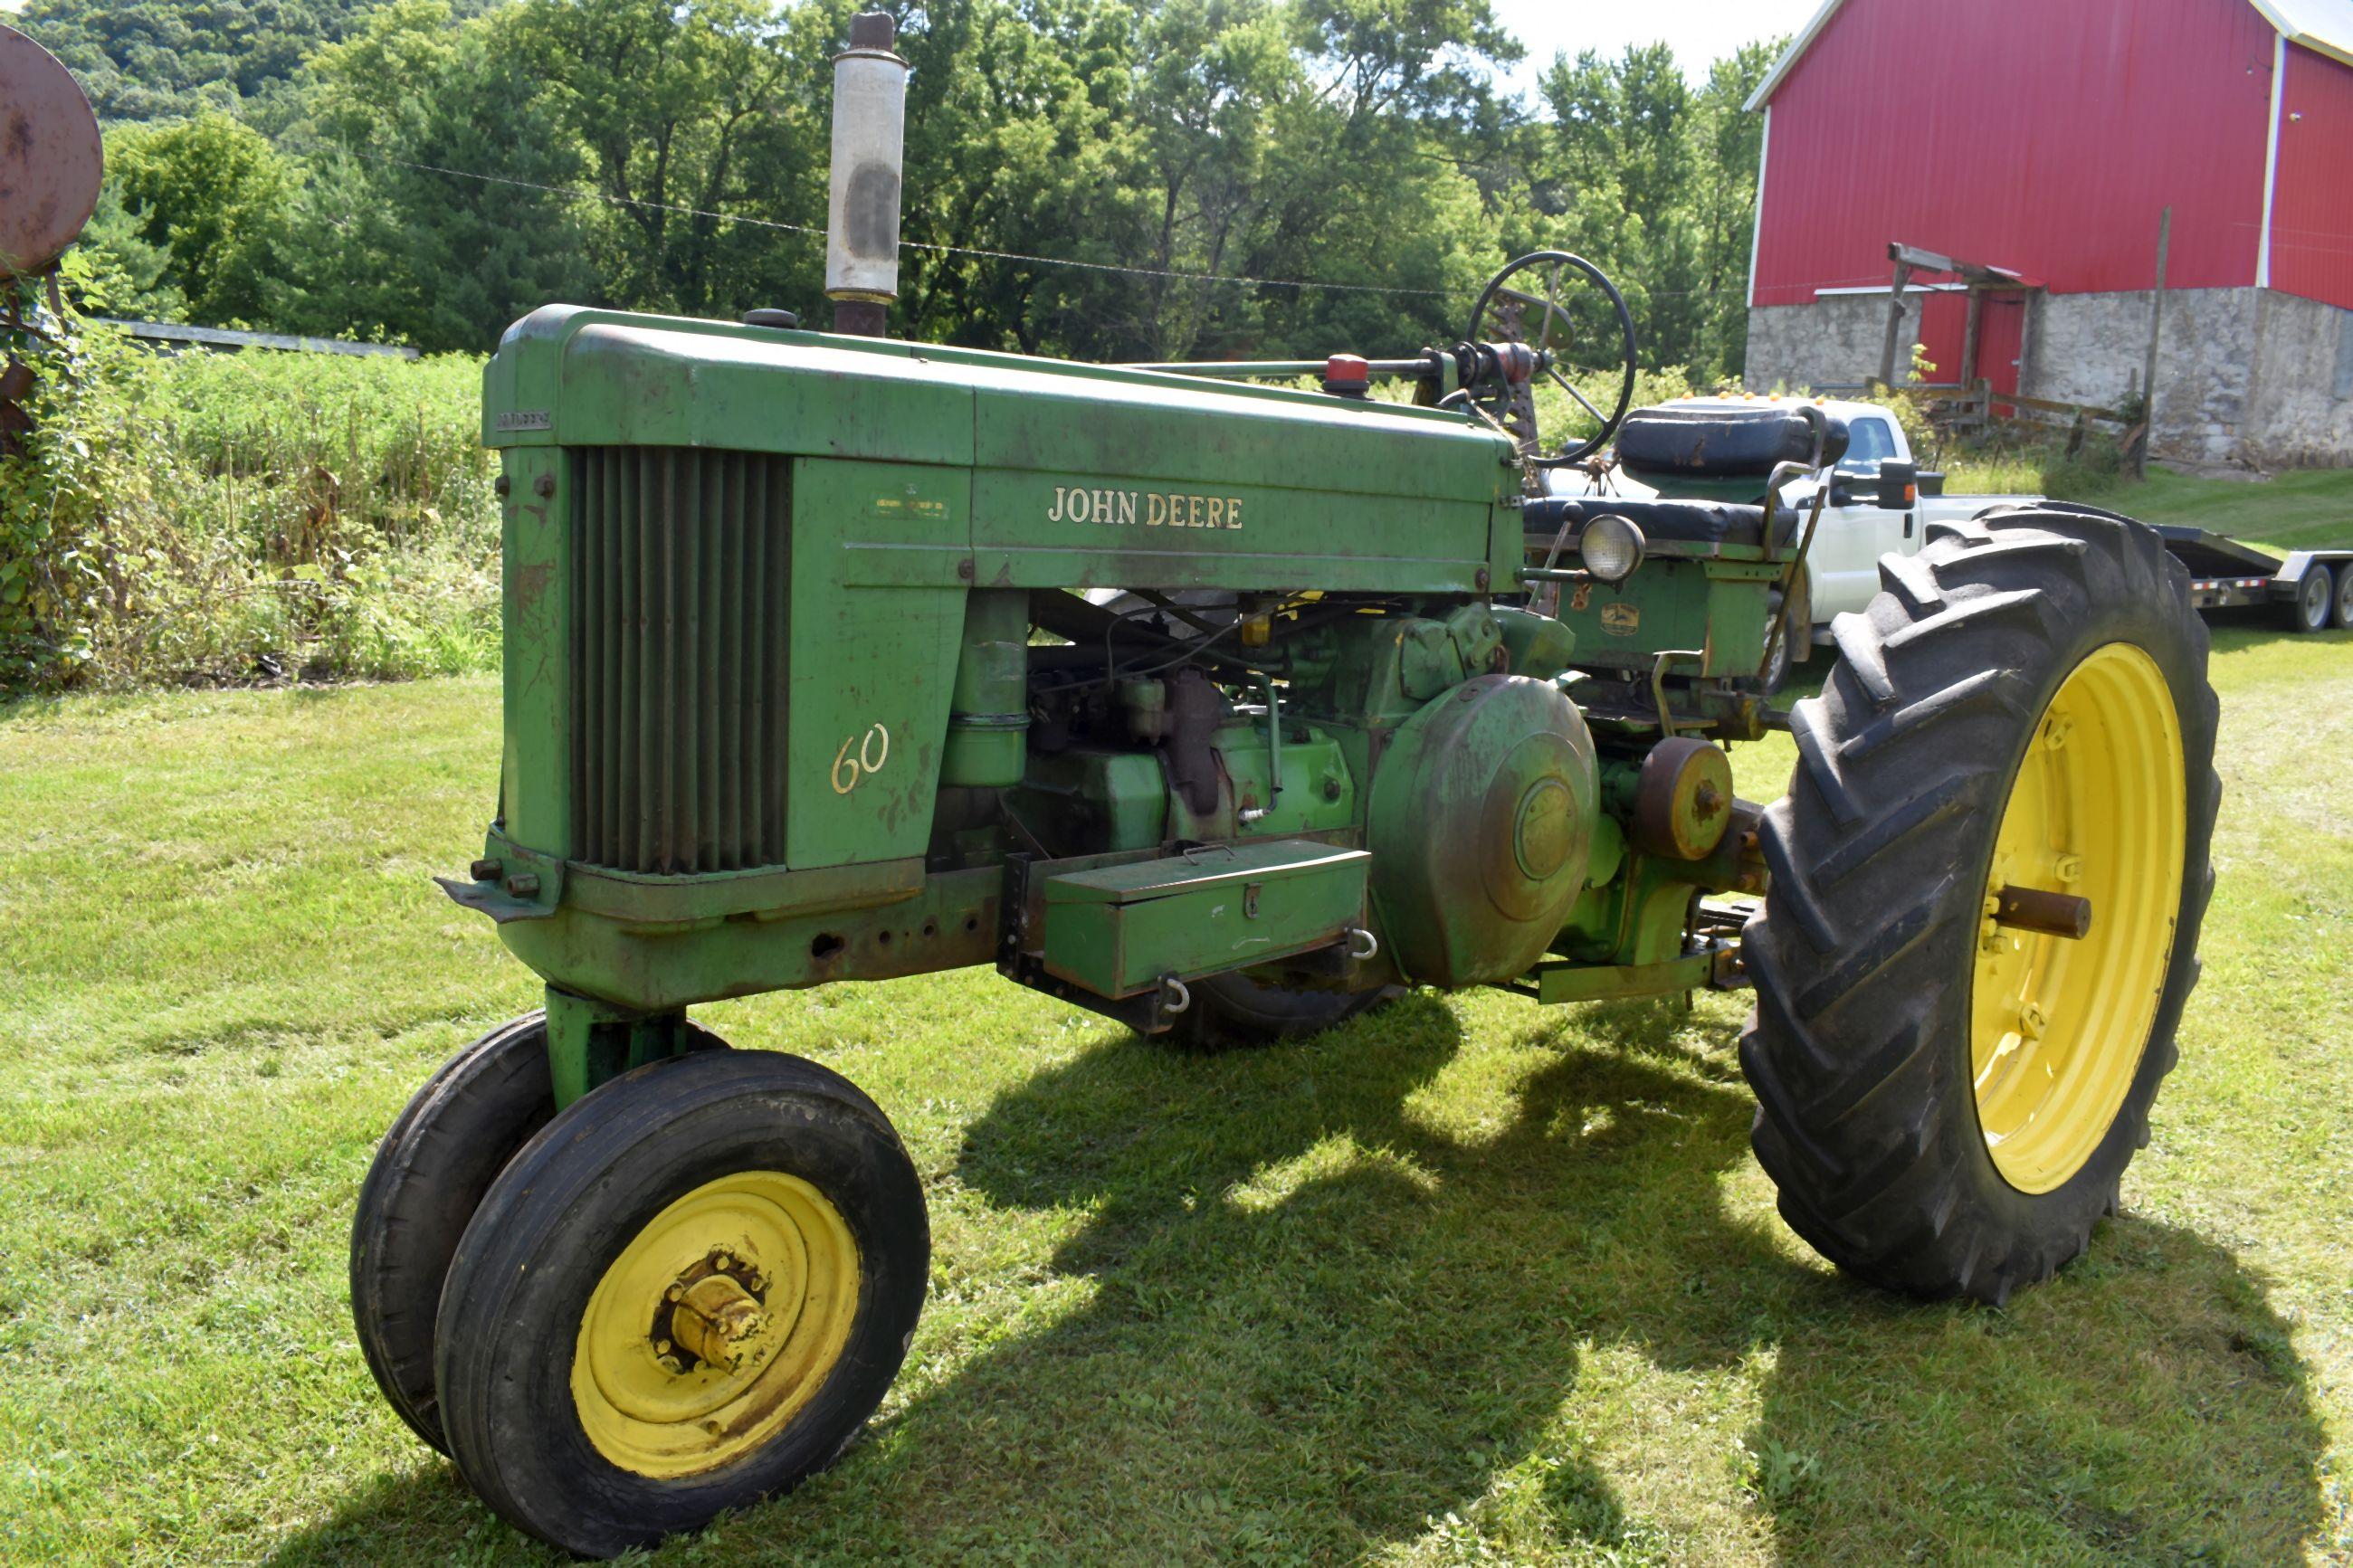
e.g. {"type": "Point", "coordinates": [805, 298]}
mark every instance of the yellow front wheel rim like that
{"type": "Point", "coordinates": [2098, 810]}
{"type": "Point", "coordinates": [715, 1325]}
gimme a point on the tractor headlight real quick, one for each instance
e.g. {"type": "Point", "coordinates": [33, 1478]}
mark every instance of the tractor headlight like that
{"type": "Point", "coordinates": [1613, 548]}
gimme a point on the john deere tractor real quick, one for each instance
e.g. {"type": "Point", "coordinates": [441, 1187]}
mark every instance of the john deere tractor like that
{"type": "Point", "coordinates": [1229, 711]}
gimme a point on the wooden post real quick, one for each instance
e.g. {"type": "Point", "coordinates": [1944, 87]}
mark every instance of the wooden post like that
{"type": "Point", "coordinates": [1894, 324]}
{"type": "Point", "coordinates": [2025, 336]}
{"type": "Point", "coordinates": [1970, 337]}
{"type": "Point", "coordinates": [2156, 330]}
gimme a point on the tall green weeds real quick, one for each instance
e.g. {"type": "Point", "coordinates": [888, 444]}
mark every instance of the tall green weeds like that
{"type": "Point", "coordinates": [257, 516]}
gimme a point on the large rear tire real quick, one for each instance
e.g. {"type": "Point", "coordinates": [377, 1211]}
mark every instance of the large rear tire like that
{"type": "Point", "coordinates": [1947, 1103]}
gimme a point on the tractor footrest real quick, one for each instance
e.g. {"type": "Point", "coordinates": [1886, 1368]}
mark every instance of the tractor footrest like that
{"type": "Point", "coordinates": [1118, 930]}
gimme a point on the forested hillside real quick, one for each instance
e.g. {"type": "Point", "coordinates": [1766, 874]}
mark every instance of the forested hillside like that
{"type": "Point", "coordinates": [145, 59]}
{"type": "Point", "coordinates": [427, 172]}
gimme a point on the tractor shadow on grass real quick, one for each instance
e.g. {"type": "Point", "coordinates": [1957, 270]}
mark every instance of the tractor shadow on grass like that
{"type": "Point", "coordinates": [2147, 1406]}
{"type": "Point", "coordinates": [1332, 1304]}
{"type": "Point", "coordinates": [1318, 1320]}
{"type": "Point", "coordinates": [1333, 1298]}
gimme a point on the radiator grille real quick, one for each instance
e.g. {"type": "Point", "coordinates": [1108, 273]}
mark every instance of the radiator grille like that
{"type": "Point", "coordinates": [681, 560]}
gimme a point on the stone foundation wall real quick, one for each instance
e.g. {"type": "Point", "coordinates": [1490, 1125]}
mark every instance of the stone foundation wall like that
{"type": "Point", "coordinates": [2090, 348]}
{"type": "Point", "coordinates": [1832, 341]}
{"type": "Point", "coordinates": [2300, 409]}
{"type": "Point", "coordinates": [2244, 375]}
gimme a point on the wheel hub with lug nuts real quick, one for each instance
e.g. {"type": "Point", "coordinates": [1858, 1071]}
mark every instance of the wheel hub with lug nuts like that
{"type": "Point", "coordinates": [713, 1313]}
{"type": "Point", "coordinates": [714, 1324]}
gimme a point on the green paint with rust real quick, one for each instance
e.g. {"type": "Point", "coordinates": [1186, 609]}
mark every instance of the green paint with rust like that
{"type": "Point", "coordinates": [1635, 908]}
{"type": "Point", "coordinates": [1713, 604]}
{"type": "Point", "coordinates": [767, 707]}
{"type": "Point", "coordinates": [589, 1041]}
{"type": "Point", "coordinates": [1120, 929]}
{"type": "Point", "coordinates": [1092, 797]}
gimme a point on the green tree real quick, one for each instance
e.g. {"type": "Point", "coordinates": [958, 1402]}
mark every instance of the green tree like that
{"type": "Point", "coordinates": [388, 243]}
{"type": "Point", "coordinates": [679, 110]}
{"type": "Point", "coordinates": [1724, 200]}
{"type": "Point", "coordinates": [167, 59]}
{"type": "Point", "coordinates": [1655, 182]}
{"type": "Point", "coordinates": [212, 193]}
{"type": "Point", "coordinates": [671, 155]}
{"type": "Point", "coordinates": [1021, 139]}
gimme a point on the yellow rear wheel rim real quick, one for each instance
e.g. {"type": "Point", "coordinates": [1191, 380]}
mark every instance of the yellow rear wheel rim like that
{"type": "Point", "coordinates": [781, 1264]}
{"type": "Point", "coordinates": [2098, 810]}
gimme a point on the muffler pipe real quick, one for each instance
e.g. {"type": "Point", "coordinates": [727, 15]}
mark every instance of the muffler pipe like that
{"type": "Point", "coordinates": [861, 233]}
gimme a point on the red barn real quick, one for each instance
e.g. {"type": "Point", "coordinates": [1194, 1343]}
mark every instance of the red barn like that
{"type": "Point", "coordinates": [2044, 138]}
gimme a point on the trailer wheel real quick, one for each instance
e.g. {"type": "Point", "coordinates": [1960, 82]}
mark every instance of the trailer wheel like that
{"type": "Point", "coordinates": [1239, 1010]}
{"type": "Point", "coordinates": [2340, 617]}
{"type": "Point", "coordinates": [688, 1292]}
{"type": "Point", "coordinates": [1947, 1096]}
{"type": "Point", "coordinates": [2313, 607]}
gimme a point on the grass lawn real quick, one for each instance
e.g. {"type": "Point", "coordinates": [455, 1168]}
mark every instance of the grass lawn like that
{"type": "Point", "coordinates": [1468, 1281]}
{"type": "Point", "coordinates": [2310, 508]}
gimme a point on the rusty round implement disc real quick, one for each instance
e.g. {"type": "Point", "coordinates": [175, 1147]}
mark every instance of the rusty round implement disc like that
{"type": "Point", "coordinates": [49, 156]}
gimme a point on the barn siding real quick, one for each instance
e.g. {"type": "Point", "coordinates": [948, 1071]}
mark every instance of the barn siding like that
{"type": "Point", "coordinates": [2312, 207]}
{"type": "Point", "coordinates": [2044, 135]}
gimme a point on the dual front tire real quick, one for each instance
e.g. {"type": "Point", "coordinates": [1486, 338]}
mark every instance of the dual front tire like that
{"type": "Point", "coordinates": [686, 1291]}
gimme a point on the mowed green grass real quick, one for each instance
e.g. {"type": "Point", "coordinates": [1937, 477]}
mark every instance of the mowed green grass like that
{"type": "Point", "coordinates": [1468, 1281]}
{"type": "Point", "coordinates": [2308, 508]}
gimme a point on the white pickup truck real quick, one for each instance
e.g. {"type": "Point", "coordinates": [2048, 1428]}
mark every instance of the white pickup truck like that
{"type": "Point", "coordinates": [1879, 503]}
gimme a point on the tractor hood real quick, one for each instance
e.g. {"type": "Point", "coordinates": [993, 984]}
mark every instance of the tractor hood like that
{"type": "Point", "coordinates": [570, 376]}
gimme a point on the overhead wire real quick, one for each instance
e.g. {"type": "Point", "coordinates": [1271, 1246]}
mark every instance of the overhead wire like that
{"type": "Point", "coordinates": [577, 193]}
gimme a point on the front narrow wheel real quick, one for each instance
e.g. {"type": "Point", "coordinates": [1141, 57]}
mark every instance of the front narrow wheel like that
{"type": "Point", "coordinates": [1987, 882]}
{"type": "Point", "coordinates": [428, 1176]}
{"type": "Point", "coordinates": [688, 1293]}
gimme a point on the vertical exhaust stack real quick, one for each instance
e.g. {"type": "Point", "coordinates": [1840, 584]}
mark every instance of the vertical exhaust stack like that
{"type": "Point", "coordinates": [861, 240]}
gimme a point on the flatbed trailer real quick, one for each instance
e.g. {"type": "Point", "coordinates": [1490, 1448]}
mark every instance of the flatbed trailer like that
{"type": "Point", "coordinates": [2310, 591]}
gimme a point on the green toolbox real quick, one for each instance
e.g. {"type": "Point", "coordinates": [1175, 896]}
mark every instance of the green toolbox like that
{"type": "Point", "coordinates": [1121, 930]}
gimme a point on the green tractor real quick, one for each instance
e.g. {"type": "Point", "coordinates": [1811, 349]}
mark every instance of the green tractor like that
{"type": "Point", "coordinates": [1228, 712]}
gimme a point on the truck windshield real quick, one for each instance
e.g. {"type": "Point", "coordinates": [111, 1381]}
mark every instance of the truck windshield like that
{"type": "Point", "coordinates": [1869, 442]}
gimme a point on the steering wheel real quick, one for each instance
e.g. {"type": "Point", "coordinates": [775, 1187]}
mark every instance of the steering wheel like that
{"type": "Point", "coordinates": [1562, 306]}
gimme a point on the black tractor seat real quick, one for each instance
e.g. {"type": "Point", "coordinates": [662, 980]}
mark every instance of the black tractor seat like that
{"type": "Point", "coordinates": [1743, 441]}
{"type": "Point", "coordinates": [1680, 522]}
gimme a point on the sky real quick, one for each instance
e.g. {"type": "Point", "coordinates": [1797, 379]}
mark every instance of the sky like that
{"type": "Point", "coordinates": [1700, 31]}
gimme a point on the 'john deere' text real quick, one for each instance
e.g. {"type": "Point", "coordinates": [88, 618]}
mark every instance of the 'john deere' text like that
{"type": "Point", "coordinates": [1146, 509]}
